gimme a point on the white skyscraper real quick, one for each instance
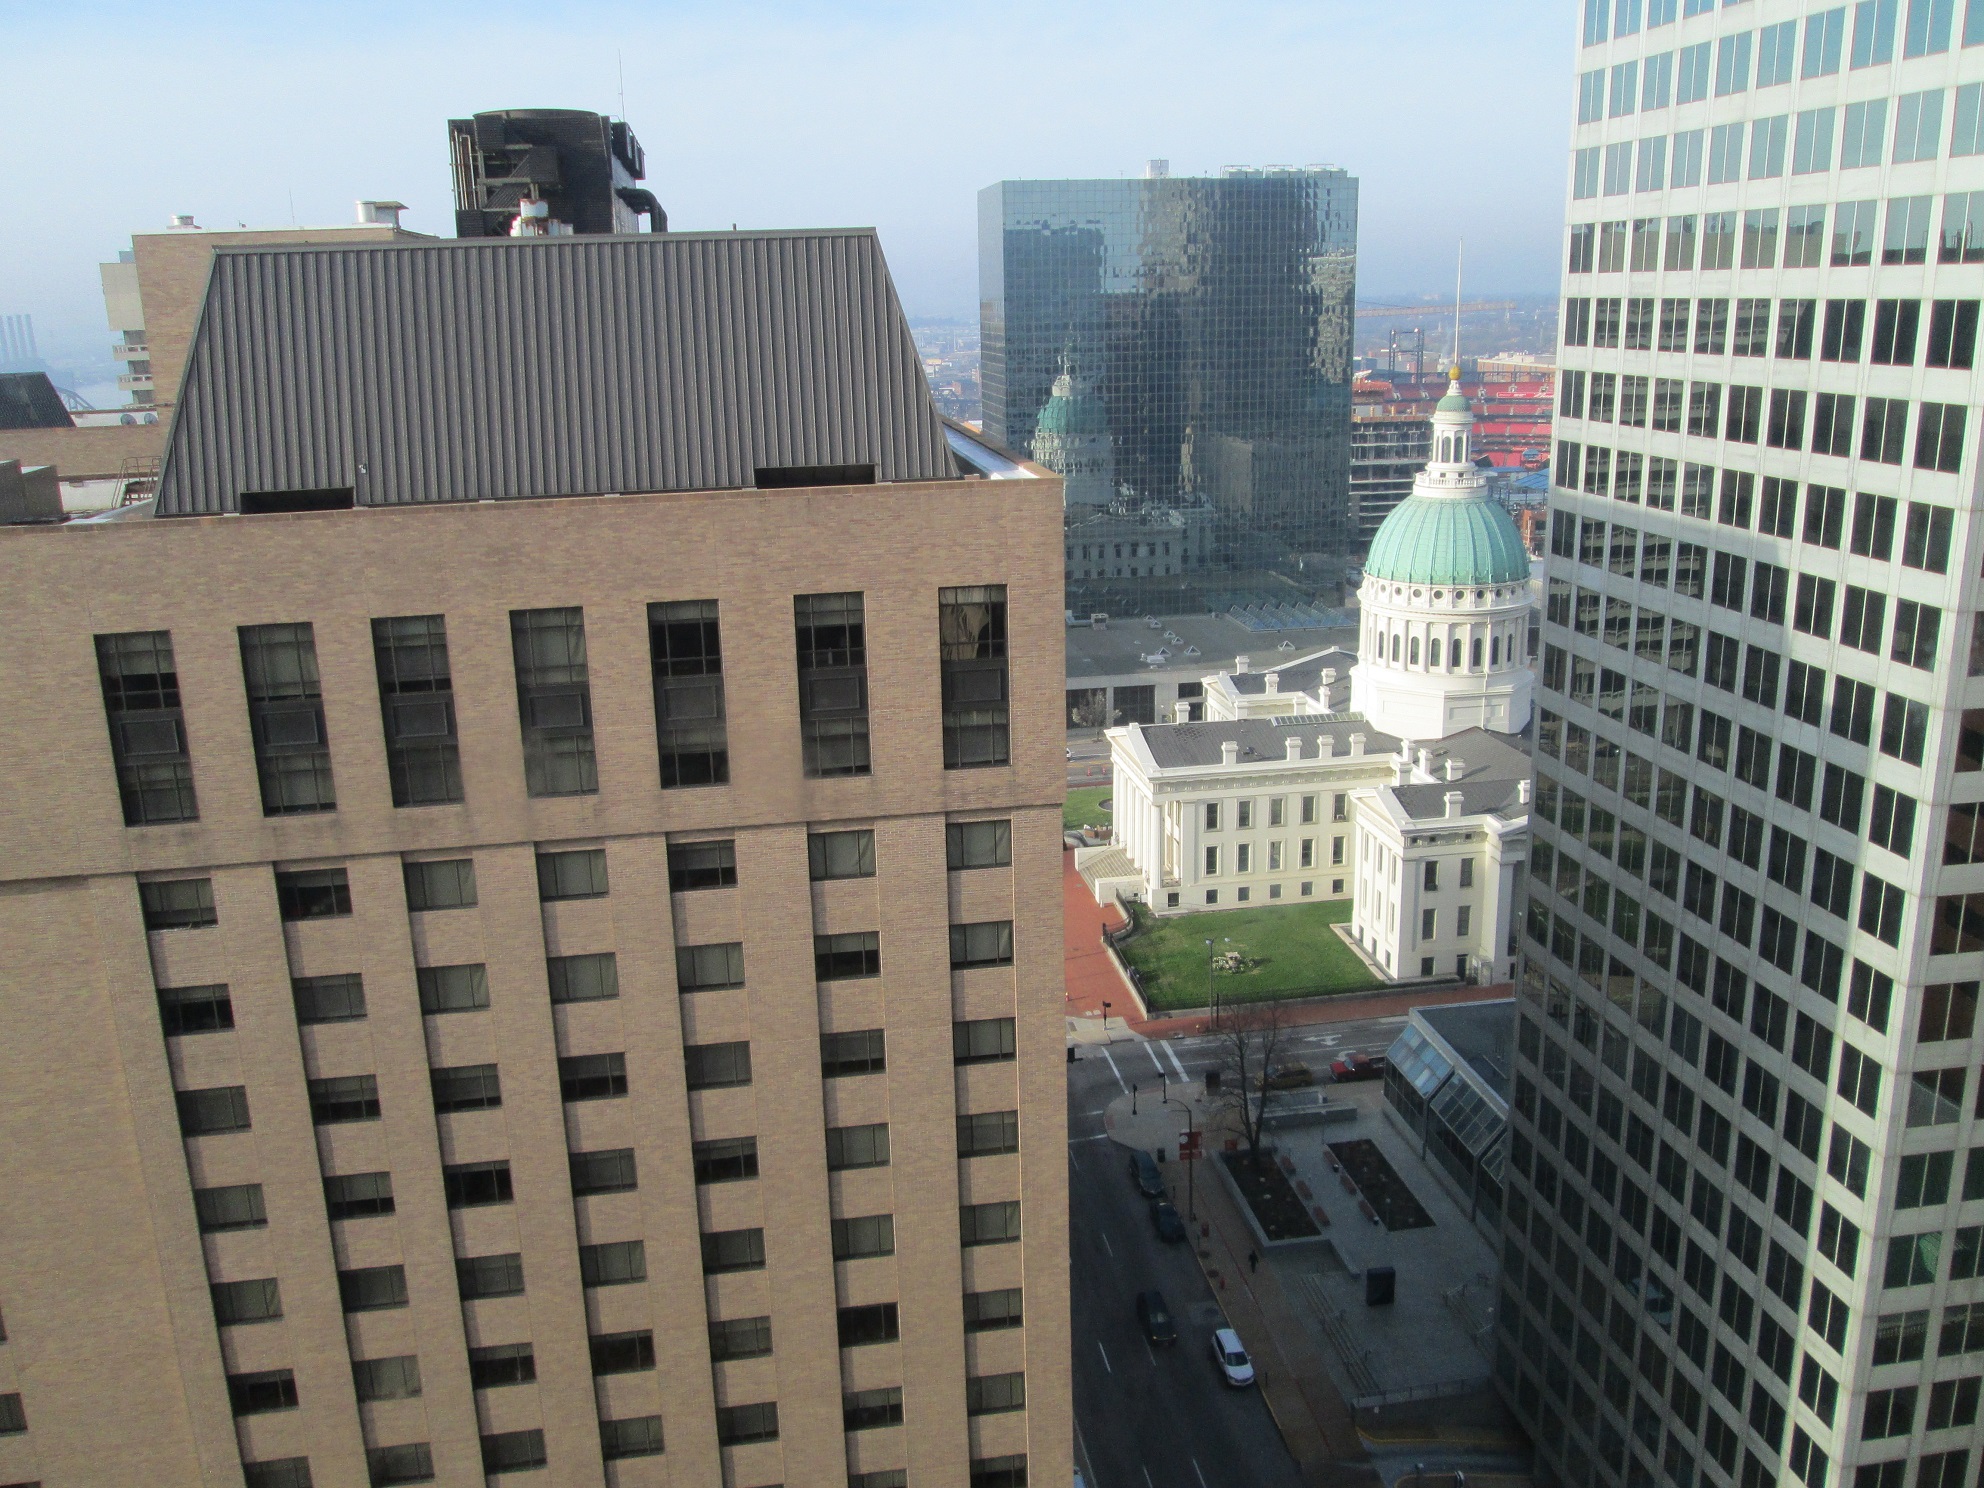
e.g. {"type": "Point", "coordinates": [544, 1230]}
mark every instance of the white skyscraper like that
{"type": "Point", "coordinates": [1745, 1214]}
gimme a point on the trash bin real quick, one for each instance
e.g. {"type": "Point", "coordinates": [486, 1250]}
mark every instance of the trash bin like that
{"type": "Point", "coordinates": [1380, 1285]}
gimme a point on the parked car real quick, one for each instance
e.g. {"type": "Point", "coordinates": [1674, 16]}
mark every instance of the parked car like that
{"type": "Point", "coordinates": [1143, 1168]}
{"type": "Point", "coordinates": [1358, 1067]}
{"type": "Point", "coordinates": [1155, 1318]}
{"type": "Point", "coordinates": [1164, 1219]}
{"type": "Point", "coordinates": [1290, 1076]}
{"type": "Point", "coordinates": [1234, 1365]}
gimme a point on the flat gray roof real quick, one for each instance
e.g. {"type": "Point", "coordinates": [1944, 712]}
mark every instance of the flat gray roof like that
{"type": "Point", "coordinates": [496, 368]}
{"type": "Point", "coordinates": [1121, 648]}
{"type": "Point", "coordinates": [1173, 745]}
{"type": "Point", "coordinates": [1492, 767]}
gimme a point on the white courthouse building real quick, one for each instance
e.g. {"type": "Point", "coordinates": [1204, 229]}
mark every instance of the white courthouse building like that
{"type": "Point", "coordinates": [1414, 802]}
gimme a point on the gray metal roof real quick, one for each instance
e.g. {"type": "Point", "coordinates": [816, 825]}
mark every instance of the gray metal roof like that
{"type": "Point", "coordinates": [1298, 676]}
{"type": "Point", "coordinates": [1261, 740]}
{"type": "Point", "coordinates": [462, 370]}
{"type": "Point", "coordinates": [1492, 765]}
{"type": "Point", "coordinates": [1483, 1034]}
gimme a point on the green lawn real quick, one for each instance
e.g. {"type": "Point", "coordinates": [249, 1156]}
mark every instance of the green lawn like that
{"type": "Point", "coordinates": [1291, 951]}
{"type": "Point", "coordinates": [1085, 809]}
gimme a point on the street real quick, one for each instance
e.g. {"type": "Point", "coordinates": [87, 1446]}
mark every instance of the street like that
{"type": "Point", "coordinates": [1088, 762]}
{"type": "Point", "coordinates": [1145, 1418]}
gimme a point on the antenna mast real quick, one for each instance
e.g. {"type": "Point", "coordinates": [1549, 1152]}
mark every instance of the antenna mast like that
{"type": "Point", "coordinates": [1459, 253]}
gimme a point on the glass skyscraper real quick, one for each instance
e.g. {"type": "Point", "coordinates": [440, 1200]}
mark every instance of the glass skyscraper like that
{"type": "Point", "coordinates": [1745, 1218]}
{"type": "Point", "coordinates": [1183, 345]}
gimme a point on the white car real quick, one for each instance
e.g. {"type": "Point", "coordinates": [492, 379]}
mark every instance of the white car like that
{"type": "Point", "coordinates": [1234, 1365]}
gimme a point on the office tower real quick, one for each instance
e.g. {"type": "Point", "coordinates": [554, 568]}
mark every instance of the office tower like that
{"type": "Point", "coordinates": [1743, 1236]}
{"type": "Point", "coordinates": [577, 171]}
{"type": "Point", "coordinates": [1205, 325]}
{"type": "Point", "coordinates": [526, 936]}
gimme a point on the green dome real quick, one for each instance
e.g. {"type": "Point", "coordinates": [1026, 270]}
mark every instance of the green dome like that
{"type": "Point", "coordinates": [1071, 412]}
{"type": "Point", "coordinates": [1455, 541]}
{"type": "Point", "coordinates": [1452, 403]}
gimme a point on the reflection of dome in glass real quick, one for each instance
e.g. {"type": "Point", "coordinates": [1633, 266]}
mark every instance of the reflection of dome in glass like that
{"type": "Point", "coordinates": [1070, 411]}
{"type": "Point", "coordinates": [1071, 438]}
{"type": "Point", "coordinates": [1455, 541]}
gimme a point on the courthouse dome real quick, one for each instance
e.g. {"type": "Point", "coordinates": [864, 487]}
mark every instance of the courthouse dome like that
{"type": "Point", "coordinates": [1458, 541]}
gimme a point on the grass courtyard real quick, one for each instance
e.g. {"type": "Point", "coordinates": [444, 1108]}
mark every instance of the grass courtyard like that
{"type": "Point", "coordinates": [1290, 951]}
{"type": "Point", "coordinates": [1084, 808]}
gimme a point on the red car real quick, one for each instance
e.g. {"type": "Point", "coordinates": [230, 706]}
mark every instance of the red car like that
{"type": "Point", "coordinates": [1358, 1067]}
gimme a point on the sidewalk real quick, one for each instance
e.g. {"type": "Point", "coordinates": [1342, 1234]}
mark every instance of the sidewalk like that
{"type": "Point", "coordinates": [1091, 974]}
{"type": "Point", "coordinates": [1312, 1415]}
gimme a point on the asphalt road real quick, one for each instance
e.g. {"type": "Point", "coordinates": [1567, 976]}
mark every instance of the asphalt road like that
{"type": "Point", "coordinates": [1160, 1418]}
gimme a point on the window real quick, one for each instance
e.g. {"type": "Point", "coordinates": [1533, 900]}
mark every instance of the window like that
{"type": "Point", "coordinates": [397, 1378]}
{"type": "Point", "coordinates": [832, 855]}
{"type": "Point", "coordinates": [971, 642]}
{"type": "Point", "coordinates": [986, 1311]}
{"type": "Point", "coordinates": [1896, 323]}
{"type": "Point", "coordinates": [988, 1134]}
{"type": "Point", "coordinates": [501, 1365]}
{"type": "Point", "coordinates": [685, 651]}
{"type": "Point", "coordinates": [987, 1394]}
{"type": "Point", "coordinates": [1952, 333]}
{"type": "Point", "coordinates": [593, 978]}
{"type": "Point", "coordinates": [580, 874]}
{"type": "Point", "coordinates": [1962, 237]}
{"type": "Point", "coordinates": [584, 1077]}
{"type": "Point", "coordinates": [238, 1207]}
{"type": "Point", "coordinates": [833, 683]}
{"type": "Point", "coordinates": [709, 968]}
{"type": "Point", "coordinates": [840, 957]}
{"type": "Point", "coordinates": [1918, 126]}
{"type": "Point", "coordinates": [358, 1195]}
{"type": "Point", "coordinates": [863, 1236]}
{"type": "Point", "coordinates": [315, 894]}
{"type": "Point", "coordinates": [622, 1353]}
{"type": "Point", "coordinates": [554, 701]}
{"type": "Point", "coordinates": [1928, 28]}
{"type": "Point", "coordinates": [739, 1424]}
{"type": "Point", "coordinates": [857, 1147]}
{"type": "Point", "coordinates": [713, 1066]}
{"type": "Point", "coordinates": [986, 944]}
{"type": "Point", "coordinates": [411, 1462]}
{"type": "Point", "coordinates": [205, 1009]}
{"type": "Point", "coordinates": [865, 1410]}
{"type": "Point", "coordinates": [344, 1098]}
{"type": "Point", "coordinates": [861, 1052]}
{"type": "Point", "coordinates": [260, 1391]}
{"type": "Point", "coordinates": [733, 1250]}
{"type": "Point", "coordinates": [1873, 526]}
{"type": "Point", "coordinates": [466, 1087]}
{"type": "Point", "coordinates": [989, 1224]}
{"type": "Point", "coordinates": [1926, 539]}
{"type": "Point", "coordinates": [1811, 146]}
{"type": "Point", "coordinates": [1939, 437]}
{"type": "Point", "coordinates": [875, 1323]}
{"type": "Point", "coordinates": [701, 865]}
{"type": "Point", "coordinates": [449, 884]}
{"type": "Point", "coordinates": [1008, 1471]}
{"type": "Point", "coordinates": [286, 716]}
{"type": "Point", "coordinates": [632, 1436]}
{"type": "Point", "coordinates": [328, 999]}
{"type": "Point", "coordinates": [616, 1263]}
{"type": "Point", "coordinates": [222, 1108]}
{"type": "Point", "coordinates": [1916, 627]}
{"type": "Point", "coordinates": [1882, 430]}
{"type": "Point", "coordinates": [726, 1160]}
{"type": "Point", "coordinates": [472, 1185]}
{"type": "Point", "coordinates": [417, 706]}
{"type": "Point", "coordinates": [981, 844]}
{"type": "Point", "coordinates": [453, 989]}
{"type": "Point", "coordinates": [513, 1451]}
{"type": "Point", "coordinates": [178, 904]}
{"type": "Point", "coordinates": [741, 1338]}
{"type": "Point", "coordinates": [147, 729]}
{"type": "Point", "coordinates": [1905, 239]}
{"type": "Point", "coordinates": [610, 1170]}
{"type": "Point", "coordinates": [983, 1040]}
{"type": "Point", "coordinates": [277, 1472]}
{"type": "Point", "coordinates": [372, 1288]}
{"type": "Point", "coordinates": [1852, 231]}
{"type": "Point", "coordinates": [237, 1302]}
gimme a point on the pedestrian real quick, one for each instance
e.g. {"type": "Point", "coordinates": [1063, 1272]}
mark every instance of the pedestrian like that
{"type": "Point", "coordinates": [1253, 1261]}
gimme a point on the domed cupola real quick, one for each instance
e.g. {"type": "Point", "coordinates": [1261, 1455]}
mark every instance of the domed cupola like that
{"type": "Point", "coordinates": [1445, 600]}
{"type": "Point", "coordinates": [1071, 438]}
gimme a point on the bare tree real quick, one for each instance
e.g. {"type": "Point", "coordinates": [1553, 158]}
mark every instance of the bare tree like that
{"type": "Point", "coordinates": [1249, 1038]}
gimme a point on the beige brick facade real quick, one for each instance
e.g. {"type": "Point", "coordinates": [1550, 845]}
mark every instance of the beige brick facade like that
{"type": "Point", "coordinates": [111, 1337]}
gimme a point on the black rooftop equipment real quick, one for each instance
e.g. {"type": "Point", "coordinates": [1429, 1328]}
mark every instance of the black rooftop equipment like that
{"type": "Point", "coordinates": [397, 374]}
{"type": "Point", "coordinates": [583, 167]}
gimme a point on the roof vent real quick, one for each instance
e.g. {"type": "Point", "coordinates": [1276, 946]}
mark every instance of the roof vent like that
{"type": "Point", "coordinates": [1229, 753]}
{"type": "Point", "coordinates": [1156, 170]}
{"type": "Point", "coordinates": [1294, 749]}
{"type": "Point", "coordinates": [380, 213]}
{"type": "Point", "coordinates": [182, 222]}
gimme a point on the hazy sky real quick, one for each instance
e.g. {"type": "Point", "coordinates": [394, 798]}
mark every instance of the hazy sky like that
{"type": "Point", "coordinates": [866, 112]}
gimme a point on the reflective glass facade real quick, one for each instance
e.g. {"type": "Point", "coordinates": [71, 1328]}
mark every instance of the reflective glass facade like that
{"type": "Point", "coordinates": [1205, 324]}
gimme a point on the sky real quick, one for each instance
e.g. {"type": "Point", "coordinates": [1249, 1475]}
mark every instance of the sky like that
{"type": "Point", "coordinates": [1454, 117]}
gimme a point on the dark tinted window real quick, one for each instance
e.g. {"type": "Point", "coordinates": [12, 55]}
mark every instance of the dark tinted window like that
{"type": "Point", "coordinates": [701, 865]}
{"type": "Point", "coordinates": [178, 904]}
{"type": "Point", "coordinates": [984, 844]}
{"type": "Point", "coordinates": [313, 894]}
{"type": "Point", "coordinates": [572, 875]}
{"type": "Point", "coordinates": [444, 885]}
{"type": "Point", "coordinates": [206, 1009]}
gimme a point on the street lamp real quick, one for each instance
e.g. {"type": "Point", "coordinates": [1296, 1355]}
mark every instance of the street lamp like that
{"type": "Point", "coordinates": [1105, 1015]}
{"type": "Point", "coordinates": [1212, 997]}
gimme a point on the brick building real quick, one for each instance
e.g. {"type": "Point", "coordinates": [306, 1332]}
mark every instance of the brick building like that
{"type": "Point", "coordinates": [505, 974]}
